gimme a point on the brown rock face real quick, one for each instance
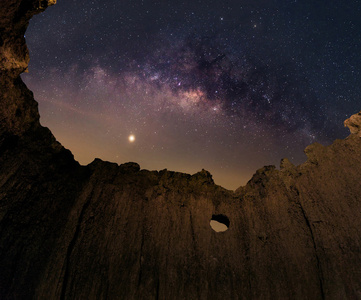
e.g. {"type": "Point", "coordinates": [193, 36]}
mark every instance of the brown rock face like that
{"type": "Point", "coordinates": [105, 231]}
{"type": "Point", "coordinates": [354, 124]}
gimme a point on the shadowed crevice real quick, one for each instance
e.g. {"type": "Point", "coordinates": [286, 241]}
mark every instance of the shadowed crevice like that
{"type": "Point", "coordinates": [72, 246]}
{"type": "Point", "coordinates": [319, 268]}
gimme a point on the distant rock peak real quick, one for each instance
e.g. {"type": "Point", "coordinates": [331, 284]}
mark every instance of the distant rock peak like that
{"type": "Point", "coordinates": [354, 124]}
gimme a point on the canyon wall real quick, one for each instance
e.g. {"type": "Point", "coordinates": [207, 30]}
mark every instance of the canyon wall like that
{"type": "Point", "coordinates": [105, 231]}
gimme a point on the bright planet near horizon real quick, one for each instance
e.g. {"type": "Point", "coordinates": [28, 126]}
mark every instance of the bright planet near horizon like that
{"type": "Point", "coordinates": [131, 138]}
{"type": "Point", "coordinates": [225, 86]}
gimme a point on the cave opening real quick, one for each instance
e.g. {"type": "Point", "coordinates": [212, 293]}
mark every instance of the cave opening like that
{"type": "Point", "coordinates": [219, 223]}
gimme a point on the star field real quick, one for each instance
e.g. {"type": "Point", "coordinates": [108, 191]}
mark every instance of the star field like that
{"type": "Point", "coordinates": [228, 86]}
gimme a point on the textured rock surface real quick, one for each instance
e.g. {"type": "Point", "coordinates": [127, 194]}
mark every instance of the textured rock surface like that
{"type": "Point", "coordinates": [354, 124]}
{"type": "Point", "coordinates": [105, 231]}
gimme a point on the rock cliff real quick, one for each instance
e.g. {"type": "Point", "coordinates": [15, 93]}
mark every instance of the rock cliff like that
{"type": "Point", "coordinates": [105, 231]}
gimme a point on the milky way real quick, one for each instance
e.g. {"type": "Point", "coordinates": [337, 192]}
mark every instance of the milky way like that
{"type": "Point", "coordinates": [234, 83]}
{"type": "Point", "coordinates": [228, 86]}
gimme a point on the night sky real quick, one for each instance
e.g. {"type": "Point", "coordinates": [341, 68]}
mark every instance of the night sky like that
{"type": "Point", "coordinates": [226, 86]}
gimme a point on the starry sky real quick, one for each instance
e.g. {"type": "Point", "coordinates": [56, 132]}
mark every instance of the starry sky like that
{"type": "Point", "coordinates": [226, 86]}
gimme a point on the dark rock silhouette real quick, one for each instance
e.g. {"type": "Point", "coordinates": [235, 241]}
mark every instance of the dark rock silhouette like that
{"type": "Point", "coordinates": [105, 231]}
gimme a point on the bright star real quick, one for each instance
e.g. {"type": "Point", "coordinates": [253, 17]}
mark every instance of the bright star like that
{"type": "Point", "coordinates": [131, 138]}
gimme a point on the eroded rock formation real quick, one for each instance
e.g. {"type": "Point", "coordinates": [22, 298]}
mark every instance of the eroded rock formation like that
{"type": "Point", "coordinates": [354, 124]}
{"type": "Point", "coordinates": [105, 231]}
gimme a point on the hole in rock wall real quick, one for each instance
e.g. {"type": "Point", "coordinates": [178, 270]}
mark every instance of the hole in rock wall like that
{"type": "Point", "coordinates": [219, 223]}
